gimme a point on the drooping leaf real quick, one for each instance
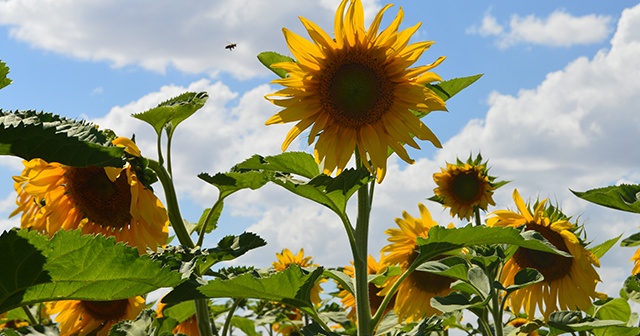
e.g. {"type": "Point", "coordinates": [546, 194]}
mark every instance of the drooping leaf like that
{"type": "Point", "coordinates": [480, 280]}
{"type": "Point", "coordinates": [524, 278]}
{"type": "Point", "coordinates": [295, 163]}
{"type": "Point", "coordinates": [267, 58]}
{"type": "Point", "coordinates": [168, 114]}
{"type": "Point", "coordinates": [246, 325]}
{"type": "Point", "coordinates": [625, 197]}
{"type": "Point", "coordinates": [229, 248]}
{"type": "Point", "coordinates": [561, 322]}
{"type": "Point", "coordinates": [456, 301]}
{"type": "Point", "coordinates": [451, 87]}
{"type": "Point", "coordinates": [87, 267]}
{"type": "Point", "coordinates": [452, 267]}
{"type": "Point", "coordinates": [228, 183]}
{"type": "Point", "coordinates": [633, 240]}
{"type": "Point", "coordinates": [4, 71]}
{"type": "Point", "coordinates": [30, 134]}
{"type": "Point", "coordinates": [345, 281]}
{"type": "Point", "coordinates": [600, 250]}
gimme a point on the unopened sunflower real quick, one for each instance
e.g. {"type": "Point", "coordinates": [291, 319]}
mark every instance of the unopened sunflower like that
{"type": "Point", "coordinates": [93, 317]}
{"type": "Point", "coordinates": [110, 201]}
{"type": "Point", "coordinates": [465, 187]}
{"type": "Point", "coordinates": [415, 292]}
{"type": "Point", "coordinates": [569, 283]}
{"type": "Point", "coordinates": [357, 90]}
{"type": "Point", "coordinates": [349, 301]}
{"type": "Point", "coordinates": [286, 258]}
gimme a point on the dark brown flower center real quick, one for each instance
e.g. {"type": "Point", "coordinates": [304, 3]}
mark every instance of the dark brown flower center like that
{"type": "Point", "coordinates": [103, 202]}
{"type": "Point", "coordinates": [106, 310]}
{"type": "Point", "coordinates": [552, 266]}
{"type": "Point", "coordinates": [355, 89]}
{"type": "Point", "coordinates": [375, 301]}
{"type": "Point", "coordinates": [428, 282]}
{"type": "Point", "coordinates": [466, 186]}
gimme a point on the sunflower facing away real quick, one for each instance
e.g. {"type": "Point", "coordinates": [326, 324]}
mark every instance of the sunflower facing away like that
{"type": "Point", "coordinates": [569, 283]}
{"type": "Point", "coordinates": [349, 301]}
{"type": "Point", "coordinates": [286, 258]}
{"type": "Point", "coordinates": [415, 292]}
{"type": "Point", "coordinates": [84, 317]}
{"type": "Point", "coordinates": [109, 201]}
{"type": "Point", "coordinates": [465, 187]}
{"type": "Point", "coordinates": [357, 90]}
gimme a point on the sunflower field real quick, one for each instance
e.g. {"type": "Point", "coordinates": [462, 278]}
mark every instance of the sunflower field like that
{"type": "Point", "coordinates": [101, 228]}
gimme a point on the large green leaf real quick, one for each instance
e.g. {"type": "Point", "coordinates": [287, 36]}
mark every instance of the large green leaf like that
{"type": "Point", "coordinates": [625, 197]}
{"type": "Point", "coordinates": [4, 71]}
{"type": "Point", "coordinates": [268, 58]}
{"type": "Point", "coordinates": [442, 240]}
{"type": "Point", "coordinates": [82, 267]}
{"type": "Point", "coordinates": [30, 134]}
{"type": "Point", "coordinates": [291, 286]}
{"type": "Point", "coordinates": [168, 114]}
{"type": "Point", "coordinates": [572, 321]}
{"type": "Point", "coordinates": [295, 163]}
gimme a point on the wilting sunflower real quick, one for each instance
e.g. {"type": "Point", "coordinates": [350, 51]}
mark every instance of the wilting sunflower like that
{"type": "Point", "coordinates": [415, 292]}
{"type": "Point", "coordinates": [286, 258]}
{"type": "Point", "coordinates": [349, 301]}
{"type": "Point", "coordinates": [569, 283]}
{"type": "Point", "coordinates": [465, 187]}
{"type": "Point", "coordinates": [85, 317]}
{"type": "Point", "coordinates": [110, 201]}
{"type": "Point", "coordinates": [357, 90]}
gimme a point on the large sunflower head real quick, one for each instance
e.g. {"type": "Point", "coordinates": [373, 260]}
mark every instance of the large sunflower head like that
{"type": "Point", "coordinates": [349, 301]}
{"type": "Point", "coordinates": [109, 201]}
{"type": "Point", "coordinates": [87, 317]}
{"type": "Point", "coordinates": [465, 187]}
{"type": "Point", "coordinates": [415, 292]}
{"type": "Point", "coordinates": [357, 90]}
{"type": "Point", "coordinates": [569, 283]}
{"type": "Point", "coordinates": [286, 258]}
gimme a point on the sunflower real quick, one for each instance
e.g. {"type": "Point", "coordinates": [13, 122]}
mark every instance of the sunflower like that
{"type": "Point", "coordinates": [110, 201]}
{"type": "Point", "coordinates": [85, 317]}
{"type": "Point", "coordinates": [415, 292]}
{"type": "Point", "coordinates": [349, 301]}
{"type": "Point", "coordinates": [569, 283]}
{"type": "Point", "coordinates": [636, 262]}
{"type": "Point", "coordinates": [465, 187]}
{"type": "Point", "coordinates": [286, 258]}
{"type": "Point", "coordinates": [357, 90]}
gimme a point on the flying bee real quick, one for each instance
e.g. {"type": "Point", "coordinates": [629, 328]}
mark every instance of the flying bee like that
{"type": "Point", "coordinates": [230, 46]}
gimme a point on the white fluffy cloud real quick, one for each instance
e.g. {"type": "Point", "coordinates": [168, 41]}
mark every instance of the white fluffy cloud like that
{"type": "Point", "coordinates": [189, 36]}
{"type": "Point", "coordinates": [559, 29]}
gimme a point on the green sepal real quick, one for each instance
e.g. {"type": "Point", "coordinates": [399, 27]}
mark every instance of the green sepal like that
{"type": "Point", "coordinates": [625, 197]}
{"type": "Point", "coordinates": [168, 114]}
{"type": "Point", "coordinates": [451, 87]}
{"type": "Point", "coordinates": [30, 135]}
{"type": "Point", "coordinates": [75, 267]}
{"type": "Point", "coordinates": [4, 71]}
{"type": "Point", "coordinates": [600, 250]}
{"type": "Point", "coordinates": [268, 58]}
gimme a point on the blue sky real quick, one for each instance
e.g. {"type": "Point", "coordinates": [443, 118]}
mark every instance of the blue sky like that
{"type": "Point", "coordinates": [554, 110]}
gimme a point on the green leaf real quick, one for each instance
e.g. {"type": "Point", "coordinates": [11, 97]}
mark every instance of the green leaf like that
{"type": "Point", "coordinates": [141, 326]}
{"type": "Point", "coordinates": [442, 240]}
{"type": "Point", "coordinates": [600, 250]}
{"type": "Point", "coordinates": [210, 221]}
{"type": "Point", "coordinates": [289, 286]}
{"type": "Point", "coordinates": [245, 325]}
{"type": "Point", "coordinates": [4, 71]}
{"type": "Point", "coordinates": [345, 281]}
{"type": "Point", "coordinates": [623, 197]}
{"type": "Point", "coordinates": [86, 267]}
{"type": "Point", "coordinates": [451, 87]}
{"type": "Point", "coordinates": [613, 309]}
{"type": "Point", "coordinates": [296, 163]}
{"type": "Point", "coordinates": [479, 280]}
{"type": "Point", "coordinates": [633, 240]}
{"type": "Point", "coordinates": [181, 311]}
{"type": "Point", "coordinates": [454, 302]}
{"type": "Point", "coordinates": [228, 183]}
{"type": "Point", "coordinates": [524, 278]}
{"type": "Point", "coordinates": [452, 267]}
{"type": "Point", "coordinates": [631, 288]}
{"type": "Point", "coordinates": [168, 114]}
{"type": "Point", "coordinates": [30, 134]}
{"type": "Point", "coordinates": [572, 321]}
{"type": "Point", "coordinates": [268, 58]}
{"type": "Point", "coordinates": [229, 248]}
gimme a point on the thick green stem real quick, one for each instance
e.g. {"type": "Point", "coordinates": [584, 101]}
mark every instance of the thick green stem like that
{"type": "Point", "coordinates": [202, 314]}
{"type": "Point", "coordinates": [32, 318]}
{"type": "Point", "coordinates": [172, 204]}
{"type": "Point", "coordinates": [496, 310]}
{"type": "Point", "coordinates": [363, 311]}
{"type": "Point", "coordinates": [169, 156]}
{"type": "Point", "coordinates": [227, 321]}
{"type": "Point", "coordinates": [476, 212]}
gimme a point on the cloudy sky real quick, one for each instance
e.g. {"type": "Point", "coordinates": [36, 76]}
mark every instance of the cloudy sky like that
{"type": "Point", "coordinates": [555, 110]}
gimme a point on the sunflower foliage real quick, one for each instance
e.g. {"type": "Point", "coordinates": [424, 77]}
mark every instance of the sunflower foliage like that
{"type": "Point", "coordinates": [93, 254]}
